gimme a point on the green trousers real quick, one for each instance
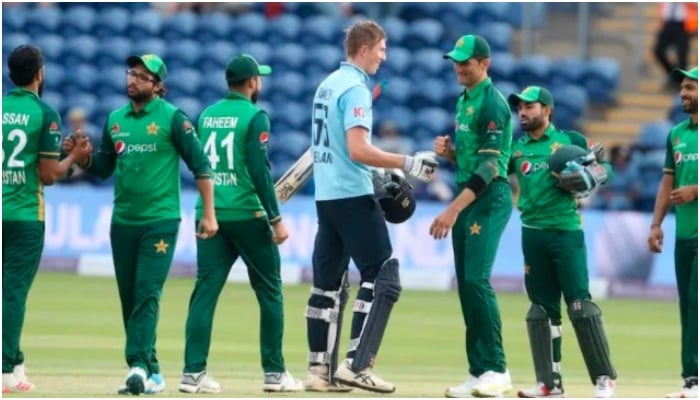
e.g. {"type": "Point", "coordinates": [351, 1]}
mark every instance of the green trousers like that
{"type": "Point", "coordinates": [252, 240]}
{"type": "Point", "coordinates": [475, 238]}
{"type": "Point", "coordinates": [555, 265]}
{"type": "Point", "coordinates": [686, 260]}
{"type": "Point", "coordinates": [142, 256]}
{"type": "Point", "coordinates": [22, 244]}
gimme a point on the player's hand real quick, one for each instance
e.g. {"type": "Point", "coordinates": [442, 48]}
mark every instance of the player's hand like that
{"type": "Point", "coordinates": [421, 165]}
{"type": "Point", "coordinates": [208, 226]}
{"type": "Point", "coordinates": [599, 152]}
{"type": "Point", "coordinates": [81, 149]}
{"type": "Point", "coordinates": [442, 225]}
{"type": "Point", "coordinates": [68, 144]}
{"type": "Point", "coordinates": [279, 233]}
{"type": "Point", "coordinates": [443, 146]}
{"type": "Point", "coordinates": [656, 239]}
{"type": "Point", "coordinates": [684, 194]}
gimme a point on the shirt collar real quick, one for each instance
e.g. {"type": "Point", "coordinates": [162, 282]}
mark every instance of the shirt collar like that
{"type": "Point", "coordinates": [545, 135]}
{"type": "Point", "coordinates": [150, 106]}
{"type": "Point", "coordinates": [23, 92]}
{"type": "Point", "coordinates": [233, 95]}
{"type": "Point", "coordinates": [478, 89]}
{"type": "Point", "coordinates": [692, 124]}
{"type": "Point", "coordinates": [350, 66]}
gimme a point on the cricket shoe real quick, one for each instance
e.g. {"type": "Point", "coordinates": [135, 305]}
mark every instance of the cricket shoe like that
{"type": "Point", "coordinates": [281, 382]}
{"type": "Point", "coordinates": [604, 387]}
{"type": "Point", "coordinates": [200, 382]}
{"type": "Point", "coordinates": [689, 389]}
{"type": "Point", "coordinates": [135, 382]}
{"type": "Point", "coordinates": [317, 381]}
{"type": "Point", "coordinates": [11, 384]}
{"type": "Point", "coordinates": [464, 390]}
{"type": "Point", "coordinates": [541, 391]}
{"type": "Point", "coordinates": [366, 379]}
{"type": "Point", "coordinates": [154, 385]}
{"type": "Point", "coordinates": [492, 384]}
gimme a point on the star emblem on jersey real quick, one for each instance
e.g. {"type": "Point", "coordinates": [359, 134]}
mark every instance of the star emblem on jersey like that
{"type": "Point", "coordinates": [470, 110]}
{"type": "Point", "coordinates": [161, 247]}
{"type": "Point", "coordinates": [554, 147]}
{"type": "Point", "coordinates": [153, 128]}
{"type": "Point", "coordinates": [475, 229]}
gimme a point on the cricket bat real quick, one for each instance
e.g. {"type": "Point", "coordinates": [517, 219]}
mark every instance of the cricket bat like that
{"type": "Point", "coordinates": [300, 172]}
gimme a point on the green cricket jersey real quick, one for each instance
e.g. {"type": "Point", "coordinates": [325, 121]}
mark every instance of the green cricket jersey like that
{"type": "Point", "coordinates": [682, 163]}
{"type": "Point", "coordinates": [31, 129]}
{"type": "Point", "coordinates": [143, 151]}
{"type": "Point", "coordinates": [541, 203]}
{"type": "Point", "coordinates": [483, 133]}
{"type": "Point", "coordinates": [235, 133]}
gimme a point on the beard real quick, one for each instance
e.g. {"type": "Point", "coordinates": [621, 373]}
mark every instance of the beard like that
{"type": "Point", "coordinates": [140, 97]}
{"type": "Point", "coordinates": [254, 96]}
{"type": "Point", "coordinates": [40, 90]}
{"type": "Point", "coordinates": [691, 107]}
{"type": "Point", "coordinates": [532, 124]}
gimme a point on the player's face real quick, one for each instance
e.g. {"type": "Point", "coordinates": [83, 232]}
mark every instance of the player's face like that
{"type": "Point", "coordinates": [140, 84]}
{"type": "Point", "coordinates": [470, 72]}
{"type": "Point", "coordinates": [532, 116]}
{"type": "Point", "coordinates": [689, 96]}
{"type": "Point", "coordinates": [376, 55]}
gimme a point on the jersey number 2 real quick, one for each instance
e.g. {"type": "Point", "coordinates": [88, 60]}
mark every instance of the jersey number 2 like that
{"type": "Point", "coordinates": [21, 137]}
{"type": "Point", "coordinates": [211, 147]}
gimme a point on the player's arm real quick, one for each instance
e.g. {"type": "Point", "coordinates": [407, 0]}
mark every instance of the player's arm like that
{"type": "Point", "coordinates": [258, 165]}
{"type": "Point", "coordinates": [663, 196]}
{"type": "Point", "coordinates": [102, 162]}
{"type": "Point", "coordinates": [186, 141]}
{"type": "Point", "coordinates": [52, 166]}
{"type": "Point", "coordinates": [577, 139]}
{"type": "Point", "coordinates": [512, 177]}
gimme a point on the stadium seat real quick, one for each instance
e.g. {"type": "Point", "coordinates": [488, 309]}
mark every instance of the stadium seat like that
{"type": "Point", "coordinates": [569, 70]}
{"type": "Point", "coordinates": [458, 21]}
{"type": "Point", "coordinates": [429, 92]}
{"type": "Point", "coordinates": [214, 26]}
{"type": "Point", "coordinates": [292, 144]}
{"type": "Point", "coordinates": [85, 100]}
{"type": "Point", "coordinates": [109, 103]}
{"type": "Point", "coordinates": [84, 76]}
{"type": "Point", "coordinates": [431, 122]}
{"type": "Point", "coordinates": [79, 49]}
{"type": "Point", "coordinates": [213, 86]}
{"type": "Point", "coordinates": [260, 50]}
{"type": "Point", "coordinates": [403, 118]}
{"type": "Point", "coordinates": [398, 60]}
{"type": "Point", "coordinates": [111, 22]}
{"type": "Point", "coordinates": [423, 33]}
{"type": "Point", "coordinates": [426, 63]}
{"type": "Point", "coordinates": [145, 24]}
{"type": "Point", "coordinates": [249, 27]}
{"type": "Point", "coordinates": [320, 29]}
{"type": "Point", "coordinates": [42, 20]}
{"type": "Point", "coordinates": [78, 20]}
{"type": "Point", "coordinates": [54, 74]}
{"type": "Point", "coordinates": [182, 25]}
{"type": "Point", "coordinates": [498, 34]}
{"type": "Point", "coordinates": [676, 114]}
{"type": "Point", "coordinates": [537, 14]}
{"type": "Point", "coordinates": [152, 45]}
{"type": "Point", "coordinates": [13, 20]}
{"type": "Point", "coordinates": [54, 99]}
{"type": "Point", "coordinates": [191, 106]}
{"type": "Point", "coordinates": [51, 45]}
{"type": "Point", "coordinates": [533, 70]}
{"type": "Point", "coordinates": [294, 114]}
{"type": "Point", "coordinates": [288, 57]}
{"type": "Point", "coordinates": [186, 53]}
{"type": "Point", "coordinates": [395, 30]}
{"type": "Point", "coordinates": [602, 80]}
{"type": "Point", "coordinates": [488, 13]}
{"type": "Point", "coordinates": [12, 41]}
{"type": "Point", "coordinates": [215, 55]}
{"type": "Point", "coordinates": [113, 52]}
{"type": "Point", "coordinates": [328, 57]}
{"type": "Point", "coordinates": [571, 99]}
{"type": "Point", "coordinates": [396, 91]}
{"type": "Point", "coordinates": [503, 67]}
{"type": "Point", "coordinates": [506, 87]}
{"type": "Point", "coordinates": [111, 80]}
{"type": "Point", "coordinates": [654, 135]}
{"type": "Point", "coordinates": [412, 12]}
{"type": "Point", "coordinates": [289, 85]}
{"type": "Point", "coordinates": [183, 82]}
{"type": "Point", "coordinates": [286, 28]}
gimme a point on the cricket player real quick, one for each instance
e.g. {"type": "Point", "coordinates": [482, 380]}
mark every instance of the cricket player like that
{"type": "Point", "coordinates": [679, 187]}
{"type": "Point", "coordinates": [235, 133]}
{"type": "Point", "coordinates": [350, 220]}
{"type": "Point", "coordinates": [479, 213]}
{"type": "Point", "coordinates": [142, 143]}
{"type": "Point", "coordinates": [31, 144]}
{"type": "Point", "coordinates": [554, 247]}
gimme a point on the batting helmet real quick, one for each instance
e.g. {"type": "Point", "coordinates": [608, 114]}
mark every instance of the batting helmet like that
{"type": "Point", "coordinates": [395, 195]}
{"type": "Point", "coordinates": [557, 161]}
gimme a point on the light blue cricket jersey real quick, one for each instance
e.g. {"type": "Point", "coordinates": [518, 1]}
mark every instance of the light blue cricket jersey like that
{"type": "Point", "coordinates": [342, 101]}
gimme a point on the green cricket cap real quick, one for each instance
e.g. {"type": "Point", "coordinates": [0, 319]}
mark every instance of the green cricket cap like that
{"type": "Point", "coordinates": [469, 46]}
{"type": "Point", "coordinates": [532, 94]}
{"type": "Point", "coordinates": [152, 62]}
{"type": "Point", "coordinates": [244, 66]}
{"type": "Point", "coordinates": [678, 74]}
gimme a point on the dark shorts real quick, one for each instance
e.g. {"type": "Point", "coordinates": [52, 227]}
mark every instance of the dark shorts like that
{"type": "Point", "coordinates": [349, 228]}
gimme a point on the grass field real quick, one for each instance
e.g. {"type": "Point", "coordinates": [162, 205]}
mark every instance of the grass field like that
{"type": "Point", "coordinates": [73, 341]}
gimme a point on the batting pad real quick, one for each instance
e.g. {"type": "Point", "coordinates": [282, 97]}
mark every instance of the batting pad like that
{"type": "Point", "coordinates": [587, 320]}
{"type": "Point", "coordinates": [539, 331]}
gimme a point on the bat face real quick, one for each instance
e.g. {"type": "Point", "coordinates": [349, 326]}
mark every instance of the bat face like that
{"type": "Point", "coordinates": [293, 180]}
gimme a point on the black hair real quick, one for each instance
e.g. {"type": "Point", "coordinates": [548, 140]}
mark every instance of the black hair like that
{"type": "Point", "coordinates": [24, 62]}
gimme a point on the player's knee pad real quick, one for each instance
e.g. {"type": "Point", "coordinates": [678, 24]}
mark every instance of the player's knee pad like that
{"type": "Point", "coordinates": [360, 310]}
{"type": "Point", "coordinates": [539, 330]}
{"type": "Point", "coordinates": [387, 289]}
{"type": "Point", "coordinates": [321, 322]}
{"type": "Point", "coordinates": [587, 321]}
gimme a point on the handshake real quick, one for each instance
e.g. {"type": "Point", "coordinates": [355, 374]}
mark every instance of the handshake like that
{"type": "Point", "coordinates": [80, 147]}
{"type": "Point", "coordinates": [421, 165]}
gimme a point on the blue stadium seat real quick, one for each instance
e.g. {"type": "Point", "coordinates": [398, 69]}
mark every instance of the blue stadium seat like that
{"type": "Point", "coordinates": [538, 14]}
{"type": "Point", "coordinates": [84, 76]}
{"type": "Point", "coordinates": [111, 80]}
{"type": "Point", "coordinates": [213, 86]}
{"type": "Point", "coordinates": [79, 49]}
{"type": "Point", "coordinates": [398, 60]}
{"type": "Point", "coordinates": [328, 57]}
{"type": "Point", "coordinates": [152, 45]}
{"type": "Point", "coordinates": [293, 143]}
{"type": "Point", "coordinates": [414, 11]}
{"type": "Point", "coordinates": [533, 70]}
{"type": "Point", "coordinates": [654, 135]}
{"type": "Point", "coordinates": [499, 35]}
{"type": "Point", "coordinates": [503, 67]}
{"type": "Point", "coordinates": [249, 27]}
{"type": "Point", "coordinates": [112, 22]}
{"type": "Point", "coordinates": [51, 45]}
{"type": "Point", "coordinates": [320, 29]}
{"type": "Point", "coordinates": [602, 80]}
{"type": "Point", "coordinates": [294, 114]}
{"type": "Point", "coordinates": [109, 103]}
{"type": "Point", "coordinates": [433, 121]}
{"type": "Point", "coordinates": [288, 84]}
{"type": "Point", "coordinates": [288, 57]}
{"type": "Point", "coordinates": [395, 30]}
{"type": "Point", "coordinates": [423, 33]}
{"type": "Point", "coordinates": [215, 55]}
{"type": "Point", "coordinates": [182, 25]}
{"type": "Point", "coordinates": [260, 50]}
{"type": "Point", "coordinates": [505, 87]}
{"type": "Point", "coordinates": [14, 20]}
{"type": "Point", "coordinates": [54, 74]}
{"type": "Point", "coordinates": [488, 13]}
{"type": "Point", "coordinates": [429, 92]}
{"type": "Point", "coordinates": [396, 91]}
{"type": "Point", "coordinates": [42, 20]}
{"type": "Point", "coordinates": [145, 24]}
{"type": "Point", "coordinates": [570, 98]}
{"type": "Point", "coordinates": [185, 53]}
{"type": "Point", "coordinates": [676, 114]}
{"type": "Point", "coordinates": [214, 26]}
{"type": "Point", "coordinates": [12, 41]}
{"type": "Point", "coordinates": [85, 100]}
{"type": "Point", "coordinates": [191, 106]}
{"type": "Point", "coordinates": [427, 63]}
{"type": "Point", "coordinates": [458, 21]}
{"type": "Point", "coordinates": [569, 70]}
{"type": "Point", "coordinates": [286, 28]}
{"type": "Point", "coordinates": [113, 52]}
{"type": "Point", "coordinates": [54, 99]}
{"type": "Point", "coordinates": [78, 20]}
{"type": "Point", "coordinates": [183, 82]}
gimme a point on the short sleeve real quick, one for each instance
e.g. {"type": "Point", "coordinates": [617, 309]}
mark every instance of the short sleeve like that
{"type": "Point", "coordinates": [50, 137]}
{"type": "Point", "coordinates": [356, 108]}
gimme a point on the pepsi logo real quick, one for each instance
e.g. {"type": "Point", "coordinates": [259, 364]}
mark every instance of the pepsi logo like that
{"type": "Point", "coordinates": [526, 168]}
{"type": "Point", "coordinates": [677, 157]}
{"type": "Point", "coordinates": [120, 147]}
